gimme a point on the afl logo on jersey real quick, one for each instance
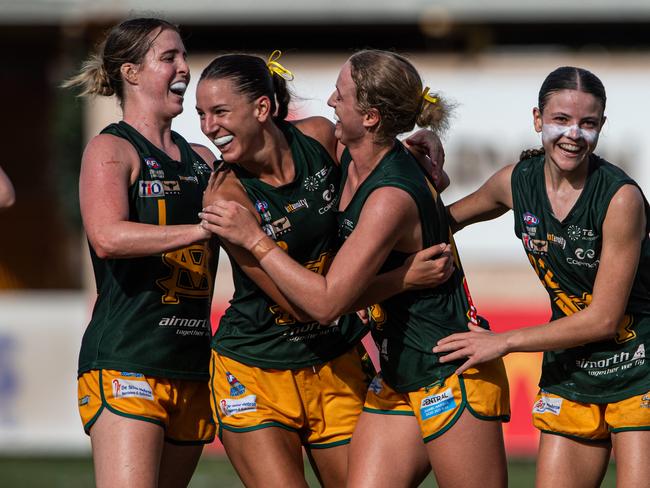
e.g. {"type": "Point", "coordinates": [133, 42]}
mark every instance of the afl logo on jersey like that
{"type": "Point", "coordinates": [262, 208]}
{"type": "Point", "coordinates": [530, 219]}
{"type": "Point", "coordinates": [152, 163]}
{"type": "Point", "coordinates": [150, 189]}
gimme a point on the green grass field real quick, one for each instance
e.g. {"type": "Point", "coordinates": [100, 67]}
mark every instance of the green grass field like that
{"type": "Point", "coordinates": [68, 472]}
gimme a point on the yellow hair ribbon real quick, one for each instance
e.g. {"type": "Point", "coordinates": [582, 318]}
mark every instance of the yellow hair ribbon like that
{"type": "Point", "coordinates": [277, 68]}
{"type": "Point", "coordinates": [427, 96]}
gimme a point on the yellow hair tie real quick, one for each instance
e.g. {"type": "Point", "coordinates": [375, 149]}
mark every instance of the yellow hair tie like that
{"type": "Point", "coordinates": [427, 96]}
{"type": "Point", "coordinates": [277, 68]}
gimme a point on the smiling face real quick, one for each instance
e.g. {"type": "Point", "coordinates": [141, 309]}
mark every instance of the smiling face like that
{"type": "Point", "coordinates": [351, 122]}
{"type": "Point", "coordinates": [229, 119]}
{"type": "Point", "coordinates": [570, 125]}
{"type": "Point", "coordinates": [162, 77]}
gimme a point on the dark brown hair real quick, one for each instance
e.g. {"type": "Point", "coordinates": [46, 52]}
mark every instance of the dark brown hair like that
{"type": "Point", "coordinates": [251, 77]}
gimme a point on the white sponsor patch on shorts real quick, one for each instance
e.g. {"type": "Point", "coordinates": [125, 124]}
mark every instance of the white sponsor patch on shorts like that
{"type": "Point", "coordinates": [131, 389]}
{"type": "Point", "coordinates": [436, 404]}
{"type": "Point", "coordinates": [548, 404]}
{"type": "Point", "coordinates": [233, 406]}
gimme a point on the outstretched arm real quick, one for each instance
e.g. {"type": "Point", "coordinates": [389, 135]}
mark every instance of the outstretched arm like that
{"type": "Point", "coordinates": [623, 232]}
{"type": "Point", "coordinates": [491, 200]}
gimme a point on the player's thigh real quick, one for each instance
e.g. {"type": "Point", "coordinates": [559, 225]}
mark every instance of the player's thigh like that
{"type": "Point", "coordinates": [330, 464]}
{"type": "Point", "coordinates": [469, 454]}
{"type": "Point", "coordinates": [569, 462]}
{"type": "Point", "coordinates": [387, 451]}
{"type": "Point", "coordinates": [126, 451]}
{"type": "Point", "coordinates": [266, 457]}
{"type": "Point", "coordinates": [177, 464]}
{"type": "Point", "coordinates": [631, 450]}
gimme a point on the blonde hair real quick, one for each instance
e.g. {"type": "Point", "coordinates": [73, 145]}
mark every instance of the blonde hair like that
{"type": "Point", "coordinates": [390, 84]}
{"type": "Point", "coordinates": [127, 42]}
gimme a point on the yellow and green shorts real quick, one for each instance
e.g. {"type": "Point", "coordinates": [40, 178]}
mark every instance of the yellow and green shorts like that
{"type": "Point", "coordinates": [321, 403]}
{"type": "Point", "coordinates": [554, 414]}
{"type": "Point", "coordinates": [180, 407]}
{"type": "Point", "coordinates": [482, 390]}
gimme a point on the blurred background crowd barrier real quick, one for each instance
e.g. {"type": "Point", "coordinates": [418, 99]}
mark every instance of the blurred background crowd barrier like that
{"type": "Point", "coordinates": [488, 58]}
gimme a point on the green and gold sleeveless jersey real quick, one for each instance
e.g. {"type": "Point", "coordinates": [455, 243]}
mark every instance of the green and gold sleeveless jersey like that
{"type": "Point", "coordinates": [407, 326]}
{"type": "Point", "coordinates": [565, 255]}
{"type": "Point", "coordinates": [300, 217]}
{"type": "Point", "coordinates": [152, 313]}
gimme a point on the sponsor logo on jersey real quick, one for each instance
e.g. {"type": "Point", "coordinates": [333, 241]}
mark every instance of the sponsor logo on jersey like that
{"type": "Point", "coordinates": [236, 388]}
{"type": "Point", "coordinates": [171, 187]}
{"type": "Point", "coordinates": [584, 258]}
{"type": "Point", "coordinates": [132, 389]}
{"type": "Point", "coordinates": [553, 239]}
{"type": "Point", "coordinates": [233, 406]}
{"type": "Point", "coordinates": [436, 404]}
{"type": "Point", "coordinates": [548, 404]}
{"type": "Point", "coordinates": [152, 163]}
{"type": "Point", "coordinates": [191, 179]}
{"type": "Point", "coordinates": [530, 219]}
{"type": "Point", "coordinates": [613, 364]}
{"type": "Point", "coordinates": [277, 228]}
{"type": "Point", "coordinates": [314, 182]}
{"type": "Point", "coordinates": [292, 207]}
{"type": "Point", "coordinates": [281, 226]}
{"type": "Point", "coordinates": [84, 400]}
{"type": "Point", "coordinates": [329, 196]}
{"type": "Point", "coordinates": [157, 173]}
{"type": "Point", "coordinates": [262, 208]}
{"type": "Point", "coordinates": [575, 232]}
{"type": "Point", "coordinates": [376, 385]}
{"type": "Point", "coordinates": [187, 327]}
{"type": "Point", "coordinates": [536, 246]}
{"type": "Point", "coordinates": [152, 188]}
{"type": "Point", "coordinates": [201, 168]}
{"type": "Point", "coordinates": [311, 183]}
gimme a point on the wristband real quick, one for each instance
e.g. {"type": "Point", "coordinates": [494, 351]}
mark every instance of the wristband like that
{"type": "Point", "coordinates": [263, 247]}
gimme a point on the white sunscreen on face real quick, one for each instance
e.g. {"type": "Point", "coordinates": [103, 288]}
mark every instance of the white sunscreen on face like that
{"type": "Point", "coordinates": [552, 132]}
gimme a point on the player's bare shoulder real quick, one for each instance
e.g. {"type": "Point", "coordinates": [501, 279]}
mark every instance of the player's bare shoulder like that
{"type": "Point", "coordinates": [109, 152]}
{"type": "Point", "coordinates": [319, 128]}
{"type": "Point", "coordinates": [206, 154]}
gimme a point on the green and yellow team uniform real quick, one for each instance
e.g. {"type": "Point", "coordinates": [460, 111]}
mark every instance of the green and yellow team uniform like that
{"type": "Point", "coordinates": [150, 329]}
{"type": "Point", "coordinates": [604, 386]}
{"type": "Point", "coordinates": [407, 326]}
{"type": "Point", "coordinates": [268, 369]}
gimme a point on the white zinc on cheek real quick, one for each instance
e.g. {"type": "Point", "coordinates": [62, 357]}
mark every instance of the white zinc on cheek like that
{"type": "Point", "coordinates": [552, 132]}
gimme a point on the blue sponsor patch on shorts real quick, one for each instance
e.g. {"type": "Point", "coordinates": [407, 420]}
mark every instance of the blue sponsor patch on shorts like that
{"type": "Point", "coordinates": [436, 404]}
{"type": "Point", "coordinates": [128, 374]}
